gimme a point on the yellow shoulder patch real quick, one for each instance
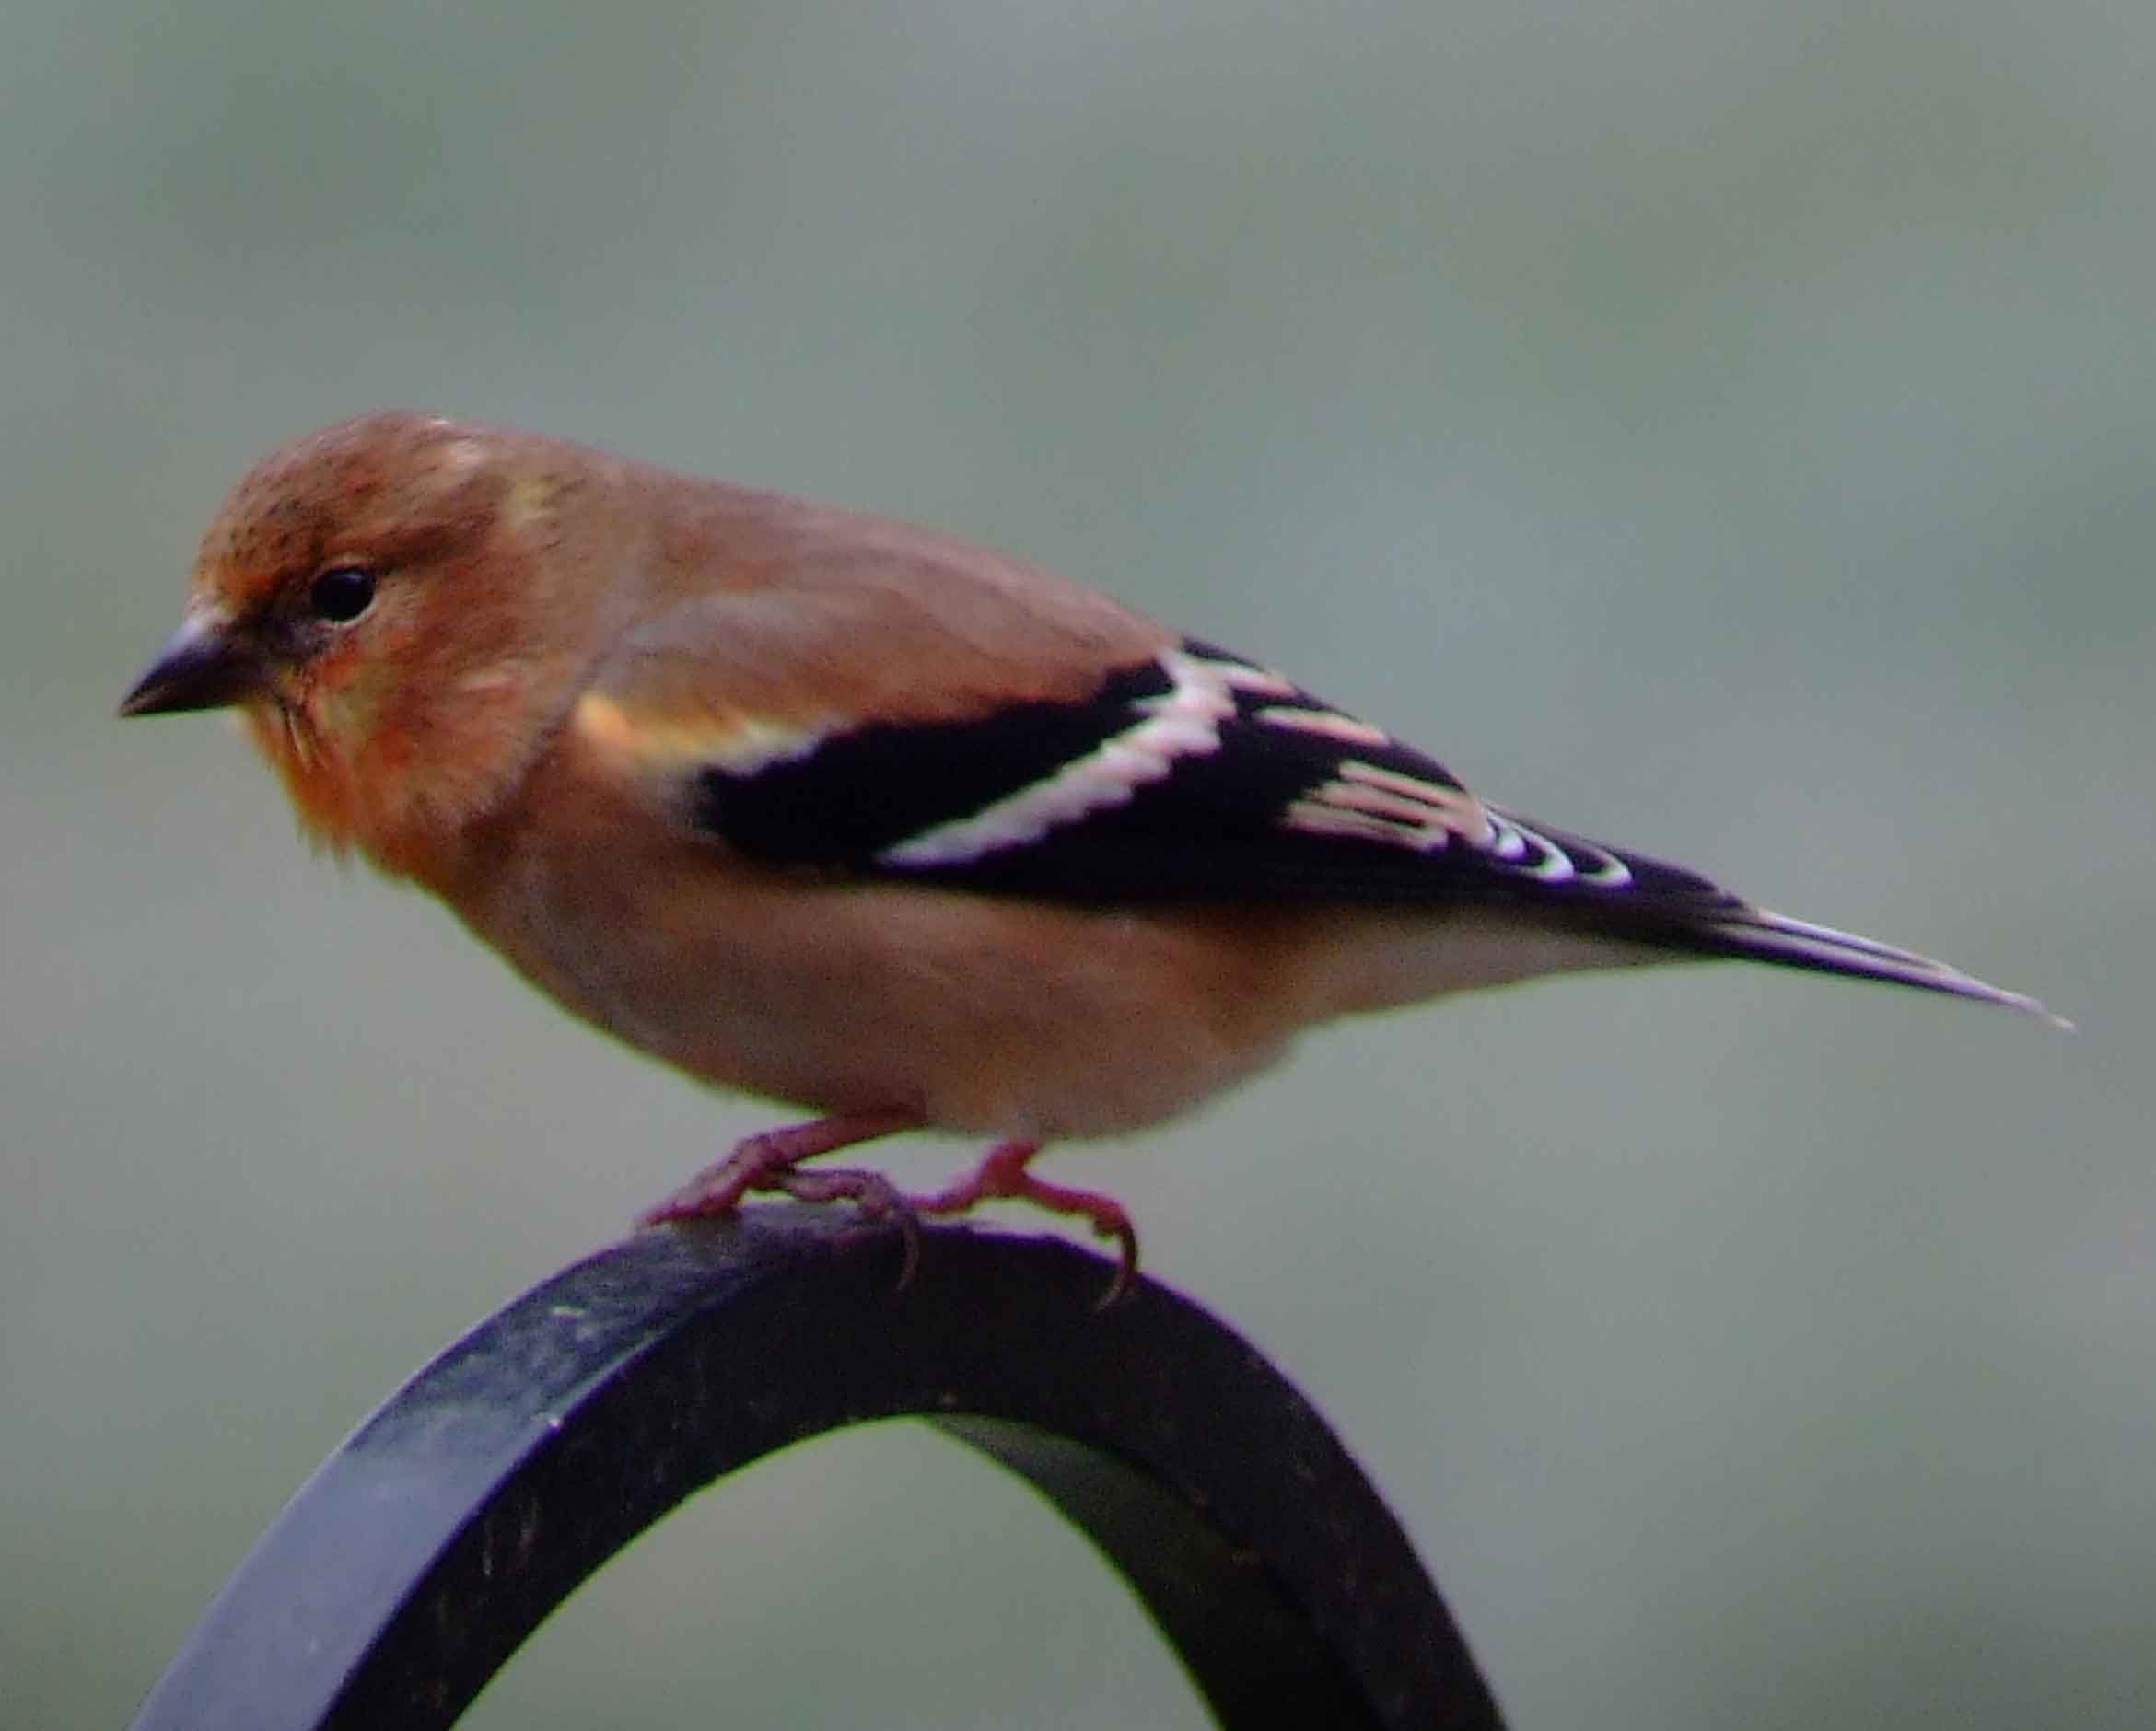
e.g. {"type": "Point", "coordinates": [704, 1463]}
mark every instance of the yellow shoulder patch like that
{"type": "Point", "coordinates": [737, 741]}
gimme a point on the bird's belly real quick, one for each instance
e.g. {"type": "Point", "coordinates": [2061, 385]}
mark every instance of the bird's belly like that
{"type": "Point", "coordinates": [987, 1017]}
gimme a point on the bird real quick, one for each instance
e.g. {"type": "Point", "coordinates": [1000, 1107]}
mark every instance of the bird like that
{"type": "Point", "coordinates": [849, 815]}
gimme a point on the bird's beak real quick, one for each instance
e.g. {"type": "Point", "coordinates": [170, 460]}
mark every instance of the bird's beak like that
{"type": "Point", "coordinates": [202, 666]}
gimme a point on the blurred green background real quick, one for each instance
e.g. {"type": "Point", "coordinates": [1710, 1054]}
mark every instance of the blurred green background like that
{"type": "Point", "coordinates": [1726, 428]}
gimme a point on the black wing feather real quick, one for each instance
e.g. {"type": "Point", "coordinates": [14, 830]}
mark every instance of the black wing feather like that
{"type": "Point", "coordinates": [1214, 828]}
{"type": "Point", "coordinates": [1222, 813]}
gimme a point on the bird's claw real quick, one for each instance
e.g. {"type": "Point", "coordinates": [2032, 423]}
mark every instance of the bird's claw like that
{"type": "Point", "coordinates": [876, 1196]}
{"type": "Point", "coordinates": [772, 1162]}
{"type": "Point", "coordinates": [1003, 1174]}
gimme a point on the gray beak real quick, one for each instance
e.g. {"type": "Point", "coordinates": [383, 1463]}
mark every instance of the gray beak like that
{"type": "Point", "coordinates": [201, 667]}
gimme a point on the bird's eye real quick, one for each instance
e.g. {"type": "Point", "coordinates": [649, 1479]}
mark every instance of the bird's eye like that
{"type": "Point", "coordinates": [342, 593]}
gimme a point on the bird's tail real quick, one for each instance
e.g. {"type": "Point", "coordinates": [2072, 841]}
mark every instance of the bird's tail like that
{"type": "Point", "coordinates": [1759, 936]}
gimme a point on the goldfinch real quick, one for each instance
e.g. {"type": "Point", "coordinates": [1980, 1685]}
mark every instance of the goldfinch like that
{"type": "Point", "coordinates": [844, 813]}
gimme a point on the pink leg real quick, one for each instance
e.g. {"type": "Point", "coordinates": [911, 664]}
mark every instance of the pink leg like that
{"type": "Point", "coordinates": [1002, 1173]}
{"type": "Point", "coordinates": [765, 1162]}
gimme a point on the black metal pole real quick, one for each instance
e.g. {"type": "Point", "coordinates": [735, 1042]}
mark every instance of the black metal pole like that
{"type": "Point", "coordinates": [422, 1552]}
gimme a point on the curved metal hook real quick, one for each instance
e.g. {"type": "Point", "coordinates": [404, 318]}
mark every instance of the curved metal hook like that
{"type": "Point", "coordinates": [425, 1549]}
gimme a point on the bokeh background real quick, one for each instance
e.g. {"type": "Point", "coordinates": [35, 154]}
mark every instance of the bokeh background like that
{"type": "Point", "coordinates": [1725, 427]}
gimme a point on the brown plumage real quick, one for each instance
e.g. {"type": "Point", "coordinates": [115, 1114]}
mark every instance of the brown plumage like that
{"type": "Point", "coordinates": [848, 814]}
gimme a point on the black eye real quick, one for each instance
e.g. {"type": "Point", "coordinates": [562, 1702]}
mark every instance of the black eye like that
{"type": "Point", "coordinates": [340, 593]}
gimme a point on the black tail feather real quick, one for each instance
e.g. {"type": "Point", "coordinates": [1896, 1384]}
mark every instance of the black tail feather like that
{"type": "Point", "coordinates": [1759, 936]}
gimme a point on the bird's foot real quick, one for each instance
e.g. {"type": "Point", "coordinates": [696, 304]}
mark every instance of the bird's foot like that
{"type": "Point", "coordinates": [771, 1161]}
{"type": "Point", "coordinates": [766, 1162]}
{"type": "Point", "coordinates": [1002, 1174]}
{"type": "Point", "coordinates": [876, 1196]}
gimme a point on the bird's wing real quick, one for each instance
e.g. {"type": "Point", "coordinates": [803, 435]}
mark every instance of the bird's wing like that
{"type": "Point", "coordinates": [1185, 775]}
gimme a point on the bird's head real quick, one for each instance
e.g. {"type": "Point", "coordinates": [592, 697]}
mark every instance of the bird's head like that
{"type": "Point", "coordinates": [392, 604]}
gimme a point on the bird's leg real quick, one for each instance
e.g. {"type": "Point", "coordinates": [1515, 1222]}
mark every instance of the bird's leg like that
{"type": "Point", "coordinates": [766, 1162]}
{"type": "Point", "coordinates": [1002, 1173]}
